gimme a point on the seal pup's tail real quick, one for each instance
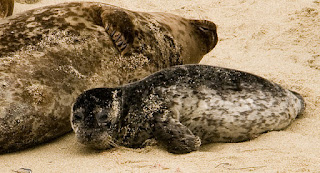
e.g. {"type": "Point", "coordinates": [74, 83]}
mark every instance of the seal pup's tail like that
{"type": "Point", "coordinates": [302, 102]}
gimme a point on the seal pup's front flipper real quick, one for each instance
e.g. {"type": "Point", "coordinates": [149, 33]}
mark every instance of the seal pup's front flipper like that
{"type": "Point", "coordinates": [175, 136]}
{"type": "Point", "coordinates": [119, 27]}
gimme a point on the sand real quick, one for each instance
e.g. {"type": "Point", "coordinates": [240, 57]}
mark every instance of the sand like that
{"type": "Point", "coordinates": [278, 40]}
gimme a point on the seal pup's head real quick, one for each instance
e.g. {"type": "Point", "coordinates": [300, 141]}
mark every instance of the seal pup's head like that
{"type": "Point", "coordinates": [95, 115]}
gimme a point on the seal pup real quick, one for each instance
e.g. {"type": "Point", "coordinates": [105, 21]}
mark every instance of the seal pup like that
{"type": "Point", "coordinates": [183, 107]}
{"type": "Point", "coordinates": [50, 55]}
{"type": "Point", "coordinates": [6, 8]}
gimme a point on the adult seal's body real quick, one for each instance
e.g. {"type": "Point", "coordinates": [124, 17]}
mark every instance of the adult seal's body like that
{"type": "Point", "coordinates": [6, 8]}
{"type": "Point", "coordinates": [48, 56]}
{"type": "Point", "coordinates": [184, 107]}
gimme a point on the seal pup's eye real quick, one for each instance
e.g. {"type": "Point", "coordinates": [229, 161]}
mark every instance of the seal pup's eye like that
{"type": "Point", "coordinates": [78, 116]}
{"type": "Point", "coordinates": [103, 120]}
{"type": "Point", "coordinates": [102, 117]}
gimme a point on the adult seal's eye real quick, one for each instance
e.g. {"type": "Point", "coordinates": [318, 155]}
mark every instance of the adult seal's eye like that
{"type": "Point", "coordinates": [204, 29]}
{"type": "Point", "coordinates": [206, 26]}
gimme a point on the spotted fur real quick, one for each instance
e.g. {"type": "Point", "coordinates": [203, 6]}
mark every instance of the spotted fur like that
{"type": "Point", "coordinates": [49, 55]}
{"type": "Point", "coordinates": [184, 107]}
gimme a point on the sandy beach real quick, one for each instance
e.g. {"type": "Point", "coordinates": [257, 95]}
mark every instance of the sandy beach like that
{"type": "Point", "coordinates": [278, 40]}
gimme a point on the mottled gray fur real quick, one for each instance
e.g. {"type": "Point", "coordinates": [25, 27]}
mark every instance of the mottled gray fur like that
{"type": "Point", "coordinates": [184, 107]}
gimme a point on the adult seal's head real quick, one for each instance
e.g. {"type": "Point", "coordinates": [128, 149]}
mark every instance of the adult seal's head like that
{"type": "Point", "coordinates": [6, 8]}
{"type": "Point", "coordinates": [183, 107]}
{"type": "Point", "coordinates": [148, 33]}
{"type": "Point", "coordinates": [49, 55]}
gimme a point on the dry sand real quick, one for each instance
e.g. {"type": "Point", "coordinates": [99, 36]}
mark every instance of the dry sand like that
{"type": "Point", "coordinates": [279, 40]}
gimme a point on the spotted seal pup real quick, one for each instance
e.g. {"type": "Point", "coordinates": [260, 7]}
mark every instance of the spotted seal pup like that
{"type": "Point", "coordinates": [6, 8]}
{"type": "Point", "coordinates": [49, 55]}
{"type": "Point", "coordinates": [184, 107]}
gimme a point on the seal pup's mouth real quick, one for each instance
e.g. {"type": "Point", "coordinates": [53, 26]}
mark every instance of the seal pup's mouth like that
{"type": "Point", "coordinates": [96, 139]}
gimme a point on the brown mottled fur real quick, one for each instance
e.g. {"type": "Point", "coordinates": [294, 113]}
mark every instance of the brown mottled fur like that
{"type": "Point", "coordinates": [50, 55]}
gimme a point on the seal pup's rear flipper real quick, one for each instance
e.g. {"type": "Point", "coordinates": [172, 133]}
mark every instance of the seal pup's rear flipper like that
{"type": "Point", "coordinates": [302, 102]}
{"type": "Point", "coordinates": [175, 136]}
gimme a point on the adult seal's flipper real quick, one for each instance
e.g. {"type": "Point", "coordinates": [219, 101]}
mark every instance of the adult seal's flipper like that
{"type": "Point", "coordinates": [119, 27]}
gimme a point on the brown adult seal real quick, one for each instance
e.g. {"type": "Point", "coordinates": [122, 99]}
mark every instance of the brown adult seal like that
{"type": "Point", "coordinates": [49, 55]}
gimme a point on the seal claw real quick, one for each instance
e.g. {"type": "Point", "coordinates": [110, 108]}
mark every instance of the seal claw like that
{"type": "Point", "coordinates": [112, 33]}
{"type": "Point", "coordinates": [116, 36]}
{"type": "Point", "coordinates": [119, 43]}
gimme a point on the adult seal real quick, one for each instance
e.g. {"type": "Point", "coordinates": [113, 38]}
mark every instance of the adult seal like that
{"type": "Point", "coordinates": [49, 55]}
{"type": "Point", "coordinates": [6, 8]}
{"type": "Point", "coordinates": [183, 107]}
